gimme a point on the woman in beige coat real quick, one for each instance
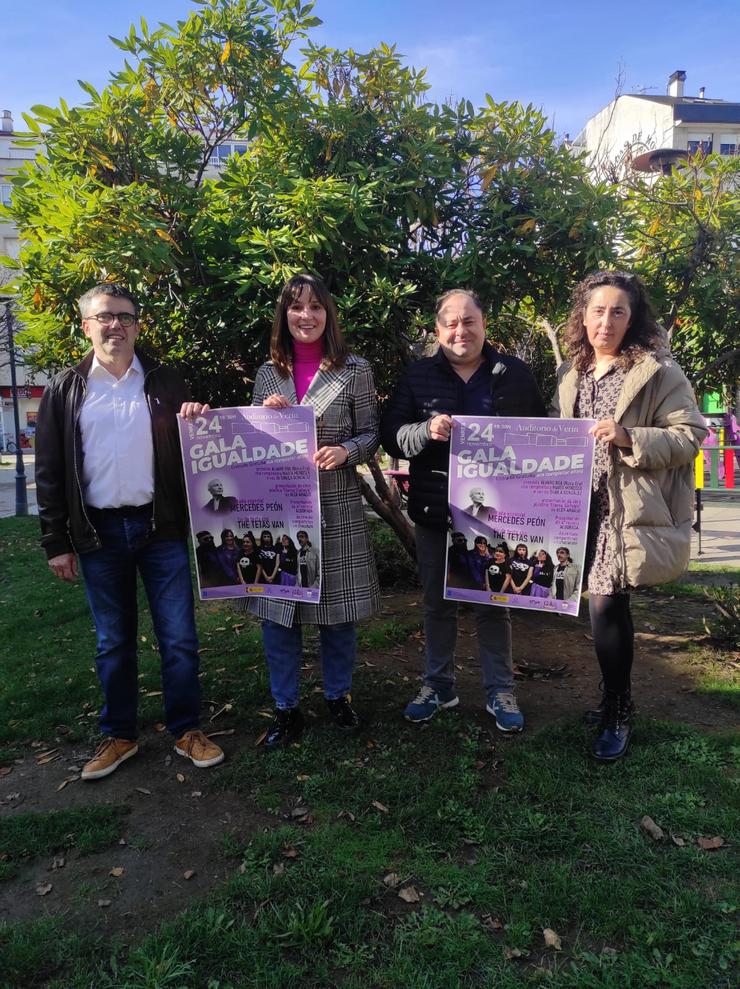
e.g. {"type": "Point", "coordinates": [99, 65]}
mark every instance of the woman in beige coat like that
{"type": "Point", "coordinates": [648, 431]}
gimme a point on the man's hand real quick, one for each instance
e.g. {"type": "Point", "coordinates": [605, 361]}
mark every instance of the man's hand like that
{"type": "Point", "coordinates": [276, 401]}
{"type": "Point", "coordinates": [191, 410]}
{"type": "Point", "coordinates": [440, 427]}
{"type": "Point", "coordinates": [64, 566]}
{"type": "Point", "coordinates": [609, 431]}
{"type": "Point", "coordinates": [331, 457]}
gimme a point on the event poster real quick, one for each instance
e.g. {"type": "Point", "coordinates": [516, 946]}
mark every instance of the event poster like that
{"type": "Point", "coordinates": [519, 492]}
{"type": "Point", "coordinates": [253, 492]}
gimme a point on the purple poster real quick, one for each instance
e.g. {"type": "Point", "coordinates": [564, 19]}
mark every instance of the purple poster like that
{"type": "Point", "coordinates": [253, 492]}
{"type": "Point", "coordinates": [519, 497]}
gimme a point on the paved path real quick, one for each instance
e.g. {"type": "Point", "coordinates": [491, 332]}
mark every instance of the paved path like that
{"type": "Point", "coordinates": [720, 538]}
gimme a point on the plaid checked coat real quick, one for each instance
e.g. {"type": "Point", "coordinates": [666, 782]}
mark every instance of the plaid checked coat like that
{"type": "Point", "coordinates": [345, 404]}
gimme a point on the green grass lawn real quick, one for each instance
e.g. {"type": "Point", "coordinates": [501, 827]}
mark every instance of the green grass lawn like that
{"type": "Point", "coordinates": [399, 859]}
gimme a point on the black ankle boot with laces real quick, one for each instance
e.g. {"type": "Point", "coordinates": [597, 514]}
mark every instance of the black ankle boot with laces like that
{"type": "Point", "coordinates": [616, 728]}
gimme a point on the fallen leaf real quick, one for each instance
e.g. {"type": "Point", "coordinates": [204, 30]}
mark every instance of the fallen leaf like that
{"type": "Point", "coordinates": [104, 903]}
{"type": "Point", "coordinates": [649, 826]}
{"type": "Point", "coordinates": [678, 840]}
{"type": "Point", "coordinates": [6, 770]}
{"type": "Point", "coordinates": [143, 789]}
{"type": "Point", "coordinates": [260, 738]}
{"type": "Point", "coordinates": [117, 871]}
{"type": "Point", "coordinates": [44, 758]}
{"type": "Point", "coordinates": [58, 862]}
{"type": "Point", "coordinates": [409, 894]}
{"type": "Point", "coordinates": [225, 731]}
{"type": "Point", "coordinates": [611, 952]}
{"type": "Point", "coordinates": [43, 888]}
{"type": "Point", "coordinates": [278, 869]}
{"type": "Point", "coordinates": [302, 777]}
{"type": "Point", "coordinates": [222, 710]}
{"type": "Point", "coordinates": [69, 779]}
{"type": "Point", "coordinates": [160, 726]}
{"type": "Point", "coordinates": [391, 880]}
{"type": "Point", "coordinates": [197, 793]}
{"type": "Point", "coordinates": [300, 811]}
{"type": "Point", "coordinates": [153, 693]}
{"type": "Point", "coordinates": [290, 853]}
{"type": "Point", "coordinates": [180, 778]}
{"type": "Point", "coordinates": [188, 874]}
{"type": "Point", "coordinates": [709, 844]}
{"type": "Point", "coordinates": [381, 807]}
{"type": "Point", "coordinates": [492, 923]}
{"type": "Point", "coordinates": [512, 953]}
{"type": "Point", "coordinates": [552, 940]}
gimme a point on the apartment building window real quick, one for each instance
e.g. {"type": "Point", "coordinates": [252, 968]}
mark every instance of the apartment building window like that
{"type": "Point", "coordinates": [699, 142]}
{"type": "Point", "coordinates": [225, 150]}
{"type": "Point", "coordinates": [728, 144]}
{"type": "Point", "coordinates": [5, 191]}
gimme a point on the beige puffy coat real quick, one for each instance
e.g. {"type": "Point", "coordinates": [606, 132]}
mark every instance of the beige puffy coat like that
{"type": "Point", "coordinates": [651, 484]}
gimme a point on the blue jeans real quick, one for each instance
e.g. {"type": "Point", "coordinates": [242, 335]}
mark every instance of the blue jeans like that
{"type": "Point", "coordinates": [440, 623]}
{"type": "Point", "coordinates": [284, 654]}
{"type": "Point", "coordinates": [110, 582]}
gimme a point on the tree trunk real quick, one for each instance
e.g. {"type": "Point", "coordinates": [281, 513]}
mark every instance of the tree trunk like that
{"type": "Point", "coordinates": [385, 502]}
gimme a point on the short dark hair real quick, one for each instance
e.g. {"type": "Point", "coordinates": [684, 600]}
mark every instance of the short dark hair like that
{"type": "Point", "coordinates": [643, 334]}
{"type": "Point", "coordinates": [105, 288]}
{"type": "Point", "coordinates": [281, 342]}
{"type": "Point", "coordinates": [473, 296]}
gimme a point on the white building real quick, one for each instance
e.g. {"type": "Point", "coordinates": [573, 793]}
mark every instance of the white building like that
{"type": "Point", "coordinates": [651, 132]}
{"type": "Point", "coordinates": [30, 385]}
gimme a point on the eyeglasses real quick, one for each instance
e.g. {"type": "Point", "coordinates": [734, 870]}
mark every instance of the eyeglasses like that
{"type": "Point", "coordinates": [126, 319]}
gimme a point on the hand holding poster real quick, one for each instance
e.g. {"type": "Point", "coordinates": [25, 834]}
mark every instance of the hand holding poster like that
{"type": "Point", "coordinates": [519, 495]}
{"type": "Point", "coordinates": [254, 502]}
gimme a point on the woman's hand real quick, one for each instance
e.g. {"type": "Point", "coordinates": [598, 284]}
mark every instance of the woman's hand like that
{"type": "Point", "coordinates": [331, 457]}
{"type": "Point", "coordinates": [276, 401]}
{"type": "Point", "coordinates": [191, 410]}
{"type": "Point", "coordinates": [440, 428]}
{"type": "Point", "coordinates": [609, 431]}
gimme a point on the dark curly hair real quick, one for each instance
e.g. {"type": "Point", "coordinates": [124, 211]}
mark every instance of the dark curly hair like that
{"type": "Point", "coordinates": [643, 335]}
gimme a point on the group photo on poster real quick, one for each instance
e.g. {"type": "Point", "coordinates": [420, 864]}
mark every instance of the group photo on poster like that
{"type": "Point", "coordinates": [519, 492]}
{"type": "Point", "coordinates": [254, 503]}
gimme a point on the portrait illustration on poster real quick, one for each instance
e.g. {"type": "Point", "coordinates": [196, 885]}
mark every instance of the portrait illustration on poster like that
{"type": "Point", "coordinates": [519, 495]}
{"type": "Point", "coordinates": [253, 494]}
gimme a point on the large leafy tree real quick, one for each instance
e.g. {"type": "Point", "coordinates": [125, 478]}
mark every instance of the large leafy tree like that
{"type": "Point", "coordinates": [347, 172]}
{"type": "Point", "coordinates": [682, 234]}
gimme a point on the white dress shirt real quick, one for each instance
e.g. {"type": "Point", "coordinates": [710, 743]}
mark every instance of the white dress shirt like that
{"type": "Point", "coordinates": [116, 429]}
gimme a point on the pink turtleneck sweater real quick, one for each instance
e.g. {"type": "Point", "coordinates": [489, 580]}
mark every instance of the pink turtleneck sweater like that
{"type": "Point", "coordinates": [307, 359]}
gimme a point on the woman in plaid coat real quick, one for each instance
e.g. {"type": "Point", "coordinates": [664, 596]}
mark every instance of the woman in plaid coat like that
{"type": "Point", "coordinates": [311, 366]}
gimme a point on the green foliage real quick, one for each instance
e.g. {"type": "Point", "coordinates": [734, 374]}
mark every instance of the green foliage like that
{"type": "Point", "coordinates": [396, 569]}
{"type": "Point", "coordinates": [680, 233]}
{"type": "Point", "coordinates": [347, 171]}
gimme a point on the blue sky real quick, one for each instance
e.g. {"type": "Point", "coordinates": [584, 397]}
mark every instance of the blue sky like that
{"type": "Point", "coordinates": [564, 57]}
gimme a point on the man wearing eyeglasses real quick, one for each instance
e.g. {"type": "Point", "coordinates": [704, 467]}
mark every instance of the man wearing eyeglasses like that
{"type": "Point", "coordinates": [112, 502]}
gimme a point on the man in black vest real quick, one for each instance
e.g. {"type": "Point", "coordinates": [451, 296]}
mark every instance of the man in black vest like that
{"type": "Point", "coordinates": [465, 377]}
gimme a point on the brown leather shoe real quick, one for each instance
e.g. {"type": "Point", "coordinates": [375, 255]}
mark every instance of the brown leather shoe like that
{"type": "Point", "coordinates": [197, 747]}
{"type": "Point", "coordinates": [108, 757]}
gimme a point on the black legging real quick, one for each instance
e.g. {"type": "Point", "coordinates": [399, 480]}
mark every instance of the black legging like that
{"type": "Point", "coordinates": [614, 638]}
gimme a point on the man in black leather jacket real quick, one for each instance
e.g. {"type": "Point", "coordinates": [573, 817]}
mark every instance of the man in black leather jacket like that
{"type": "Point", "coordinates": [112, 501]}
{"type": "Point", "coordinates": [465, 377]}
